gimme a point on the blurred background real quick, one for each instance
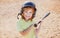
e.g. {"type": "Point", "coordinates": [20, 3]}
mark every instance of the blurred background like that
{"type": "Point", "coordinates": [50, 27]}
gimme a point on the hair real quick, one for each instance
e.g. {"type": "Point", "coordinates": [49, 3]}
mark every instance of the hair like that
{"type": "Point", "coordinates": [22, 9]}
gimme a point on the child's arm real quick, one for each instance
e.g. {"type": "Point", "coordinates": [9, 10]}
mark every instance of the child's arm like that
{"type": "Point", "coordinates": [26, 31]}
{"type": "Point", "coordinates": [34, 25]}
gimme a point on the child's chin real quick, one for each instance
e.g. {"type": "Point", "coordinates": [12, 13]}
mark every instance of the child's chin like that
{"type": "Point", "coordinates": [28, 19]}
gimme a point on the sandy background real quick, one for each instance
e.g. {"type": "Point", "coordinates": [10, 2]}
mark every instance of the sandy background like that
{"type": "Point", "coordinates": [50, 27]}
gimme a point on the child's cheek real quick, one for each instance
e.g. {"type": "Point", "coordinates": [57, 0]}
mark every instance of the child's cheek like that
{"type": "Point", "coordinates": [30, 15]}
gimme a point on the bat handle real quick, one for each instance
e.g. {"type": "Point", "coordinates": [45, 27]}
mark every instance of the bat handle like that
{"type": "Point", "coordinates": [39, 22]}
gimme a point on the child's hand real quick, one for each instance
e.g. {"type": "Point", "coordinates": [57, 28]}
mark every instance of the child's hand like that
{"type": "Point", "coordinates": [37, 25]}
{"type": "Point", "coordinates": [19, 17]}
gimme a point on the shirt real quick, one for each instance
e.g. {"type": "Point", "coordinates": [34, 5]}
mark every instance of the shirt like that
{"type": "Point", "coordinates": [22, 24]}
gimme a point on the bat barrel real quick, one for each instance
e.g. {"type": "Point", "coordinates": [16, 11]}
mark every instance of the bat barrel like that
{"type": "Point", "coordinates": [44, 17]}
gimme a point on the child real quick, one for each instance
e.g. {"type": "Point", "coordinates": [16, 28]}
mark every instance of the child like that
{"type": "Point", "coordinates": [27, 14]}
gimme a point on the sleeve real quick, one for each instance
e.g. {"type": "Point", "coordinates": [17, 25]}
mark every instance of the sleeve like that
{"type": "Point", "coordinates": [19, 26]}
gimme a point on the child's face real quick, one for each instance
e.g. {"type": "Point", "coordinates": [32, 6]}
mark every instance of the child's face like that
{"type": "Point", "coordinates": [27, 13]}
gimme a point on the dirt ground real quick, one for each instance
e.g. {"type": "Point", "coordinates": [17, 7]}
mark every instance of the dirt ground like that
{"type": "Point", "coordinates": [50, 27]}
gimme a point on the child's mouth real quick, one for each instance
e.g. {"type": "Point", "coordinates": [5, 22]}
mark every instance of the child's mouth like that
{"type": "Point", "coordinates": [27, 16]}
